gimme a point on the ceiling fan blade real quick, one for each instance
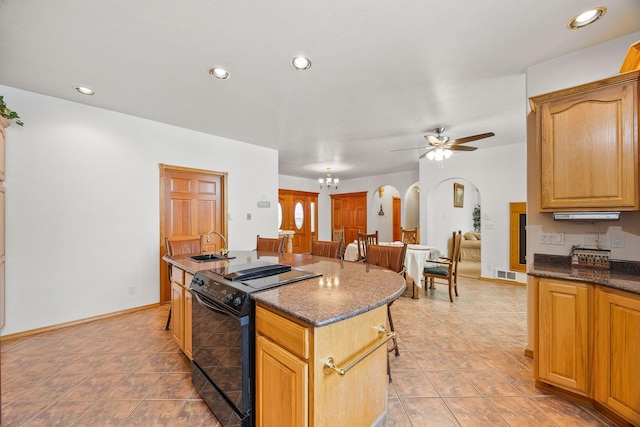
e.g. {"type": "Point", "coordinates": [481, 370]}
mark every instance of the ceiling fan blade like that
{"type": "Point", "coordinates": [406, 149]}
{"type": "Point", "coordinates": [421, 156]}
{"type": "Point", "coordinates": [462, 148]}
{"type": "Point", "coordinates": [471, 138]}
{"type": "Point", "coordinates": [432, 139]}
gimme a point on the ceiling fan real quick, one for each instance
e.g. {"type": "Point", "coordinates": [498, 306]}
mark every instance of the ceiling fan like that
{"type": "Point", "coordinates": [441, 147]}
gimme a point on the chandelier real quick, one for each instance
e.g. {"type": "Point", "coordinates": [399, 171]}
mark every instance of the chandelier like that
{"type": "Point", "coordinates": [328, 181]}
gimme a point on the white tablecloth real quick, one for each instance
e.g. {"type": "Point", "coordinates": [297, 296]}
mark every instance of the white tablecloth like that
{"type": "Point", "coordinates": [414, 259]}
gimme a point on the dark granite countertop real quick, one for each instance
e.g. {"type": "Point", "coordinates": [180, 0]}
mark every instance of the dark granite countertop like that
{"type": "Point", "coordinates": [623, 275]}
{"type": "Point", "coordinates": [344, 290]}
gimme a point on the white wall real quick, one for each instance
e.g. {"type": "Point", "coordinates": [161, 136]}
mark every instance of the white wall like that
{"type": "Point", "coordinates": [499, 174]}
{"type": "Point", "coordinates": [83, 206]}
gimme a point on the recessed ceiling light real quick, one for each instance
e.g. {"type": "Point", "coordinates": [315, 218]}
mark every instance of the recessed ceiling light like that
{"type": "Point", "coordinates": [301, 63]}
{"type": "Point", "coordinates": [219, 73]}
{"type": "Point", "coordinates": [586, 18]}
{"type": "Point", "coordinates": [85, 90]}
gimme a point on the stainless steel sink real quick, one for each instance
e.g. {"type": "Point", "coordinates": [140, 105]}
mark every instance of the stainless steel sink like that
{"type": "Point", "coordinates": [209, 257]}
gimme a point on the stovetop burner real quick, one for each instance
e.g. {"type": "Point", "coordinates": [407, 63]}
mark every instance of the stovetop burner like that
{"type": "Point", "coordinates": [231, 285]}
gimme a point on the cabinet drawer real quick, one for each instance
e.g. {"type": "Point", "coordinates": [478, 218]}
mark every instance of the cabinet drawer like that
{"type": "Point", "coordinates": [287, 334]}
{"type": "Point", "coordinates": [188, 277]}
{"type": "Point", "coordinates": [177, 275]}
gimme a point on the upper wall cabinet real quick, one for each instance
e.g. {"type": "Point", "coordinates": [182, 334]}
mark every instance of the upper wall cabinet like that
{"type": "Point", "coordinates": [587, 145]}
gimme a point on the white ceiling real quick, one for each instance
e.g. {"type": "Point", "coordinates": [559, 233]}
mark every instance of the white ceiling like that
{"type": "Point", "coordinates": [384, 72]}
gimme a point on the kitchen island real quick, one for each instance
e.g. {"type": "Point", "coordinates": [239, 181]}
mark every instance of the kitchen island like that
{"type": "Point", "coordinates": [586, 338]}
{"type": "Point", "coordinates": [320, 353]}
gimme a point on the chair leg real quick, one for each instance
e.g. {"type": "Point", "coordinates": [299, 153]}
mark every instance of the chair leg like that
{"type": "Point", "coordinates": [450, 286]}
{"type": "Point", "coordinates": [395, 342]}
{"type": "Point", "coordinates": [166, 328]}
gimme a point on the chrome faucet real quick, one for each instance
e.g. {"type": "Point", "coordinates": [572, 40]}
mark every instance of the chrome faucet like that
{"type": "Point", "coordinates": [225, 248]}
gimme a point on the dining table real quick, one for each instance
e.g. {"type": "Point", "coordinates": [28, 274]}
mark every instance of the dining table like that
{"type": "Point", "coordinates": [414, 260]}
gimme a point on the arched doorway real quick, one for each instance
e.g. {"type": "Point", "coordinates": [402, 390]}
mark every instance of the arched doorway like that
{"type": "Point", "coordinates": [385, 212]}
{"type": "Point", "coordinates": [446, 213]}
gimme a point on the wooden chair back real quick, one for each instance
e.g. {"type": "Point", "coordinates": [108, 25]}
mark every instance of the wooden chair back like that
{"type": "Point", "coordinates": [331, 249]}
{"type": "Point", "coordinates": [264, 244]}
{"type": "Point", "coordinates": [445, 267]}
{"type": "Point", "coordinates": [191, 245]}
{"type": "Point", "coordinates": [410, 235]}
{"type": "Point", "coordinates": [363, 241]}
{"type": "Point", "coordinates": [390, 257]}
{"type": "Point", "coordinates": [338, 234]}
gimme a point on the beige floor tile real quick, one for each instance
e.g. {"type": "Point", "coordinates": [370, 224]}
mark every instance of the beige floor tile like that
{"type": "Point", "coordinates": [519, 411]}
{"type": "Point", "coordinates": [451, 383]}
{"type": "Point", "coordinates": [474, 412]}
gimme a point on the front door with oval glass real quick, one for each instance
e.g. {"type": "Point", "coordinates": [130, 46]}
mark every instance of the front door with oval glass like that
{"type": "Point", "coordinates": [299, 212]}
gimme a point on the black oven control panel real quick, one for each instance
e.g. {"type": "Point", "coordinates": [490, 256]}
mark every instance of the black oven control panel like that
{"type": "Point", "coordinates": [218, 291]}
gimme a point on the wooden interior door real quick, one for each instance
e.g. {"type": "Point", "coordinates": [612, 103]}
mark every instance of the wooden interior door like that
{"type": "Point", "coordinates": [396, 220]}
{"type": "Point", "coordinates": [193, 202]}
{"type": "Point", "coordinates": [349, 210]}
{"type": "Point", "coordinates": [300, 214]}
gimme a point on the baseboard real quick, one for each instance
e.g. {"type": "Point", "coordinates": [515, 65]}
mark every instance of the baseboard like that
{"type": "Point", "coordinates": [74, 323]}
{"type": "Point", "coordinates": [508, 282]}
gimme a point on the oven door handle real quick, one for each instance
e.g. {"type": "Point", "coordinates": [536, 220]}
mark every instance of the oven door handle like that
{"type": "Point", "coordinates": [212, 307]}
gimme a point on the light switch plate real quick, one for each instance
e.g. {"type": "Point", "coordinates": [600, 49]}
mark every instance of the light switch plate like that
{"type": "Point", "coordinates": [617, 240]}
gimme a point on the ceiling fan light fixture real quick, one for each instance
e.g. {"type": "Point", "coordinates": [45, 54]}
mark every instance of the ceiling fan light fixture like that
{"type": "Point", "coordinates": [431, 155]}
{"type": "Point", "coordinates": [586, 18]}
{"type": "Point", "coordinates": [447, 153]}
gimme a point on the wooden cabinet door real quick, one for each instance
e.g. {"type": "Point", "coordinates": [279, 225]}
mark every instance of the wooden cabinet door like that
{"type": "Point", "coordinates": [177, 313]}
{"type": "Point", "coordinates": [282, 394]}
{"type": "Point", "coordinates": [563, 335]}
{"type": "Point", "coordinates": [192, 204]}
{"type": "Point", "coordinates": [588, 146]}
{"type": "Point", "coordinates": [188, 347]}
{"type": "Point", "coordinates": [617, 353]}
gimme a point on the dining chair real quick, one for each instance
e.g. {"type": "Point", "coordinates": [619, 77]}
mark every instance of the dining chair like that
{"type": "Point", "coordinates": [193, 245]}
{"type": "Point", "coordinates": [410, 235]}
{"type": "Point", "coordinates": [338, 234]}
{"type": "Point", "coordinates": [392, 258]}
{"type": "Point", "coordinates": [363, 241]}
{"type": "Point", "coordinates": [265, 244]}
{"type": "Point", "coordinates": [446, 267]}
{"type": "Point", "coordinates": [332, 249]}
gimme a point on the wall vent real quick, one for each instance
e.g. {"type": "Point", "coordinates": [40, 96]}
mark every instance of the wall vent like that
{"type": "Point", "coordinates": [507, 275]}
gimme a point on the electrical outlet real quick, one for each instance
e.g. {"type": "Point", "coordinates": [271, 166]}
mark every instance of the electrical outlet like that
{"type": "Point", "coordinates": [558, 239]}
{"type": "Point", "coordinates": [132, 290]}
{"type": "Point", "coordinates": [617, 240]}
{"type": "Point", "coordinates": [597, 240]}
{"type": "Point", "coordinates": [248, 217]}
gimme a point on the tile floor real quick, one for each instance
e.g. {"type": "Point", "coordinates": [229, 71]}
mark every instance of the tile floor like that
{"type": "Point", "coordinates": [461, 364]}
